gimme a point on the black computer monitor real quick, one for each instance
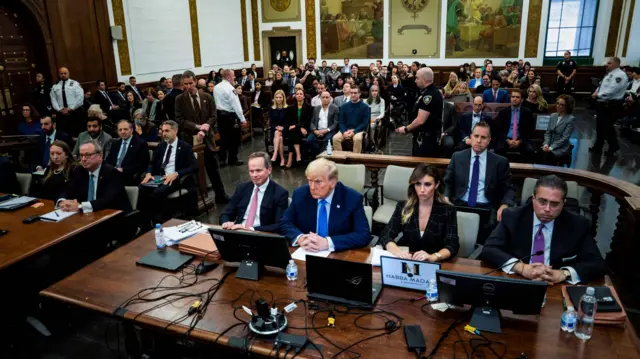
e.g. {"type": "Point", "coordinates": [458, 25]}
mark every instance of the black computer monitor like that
{"type": "Point", "coordinates": [489, 294]}
{"type": "Point", "coordinates": [253, 250]}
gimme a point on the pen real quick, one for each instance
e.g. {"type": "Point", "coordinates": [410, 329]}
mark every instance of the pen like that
{"type": "Point", "coordinates": [56, 212]}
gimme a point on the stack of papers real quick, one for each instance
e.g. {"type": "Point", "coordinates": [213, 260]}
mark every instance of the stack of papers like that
{"type": "Point", "coordinates": [16, 203]}
{"type": "Point", "coordinates": [57, 215]}
{"type": "Point", "coordinates": [377, 252]}
{"type": "Point", "coordinates": [301, 254]}
{"type": "Point", "coordinates": [173, 235]}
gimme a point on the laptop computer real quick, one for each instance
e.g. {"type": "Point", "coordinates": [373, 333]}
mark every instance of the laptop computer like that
{"type": "Point", "coordinates": [343, 282]}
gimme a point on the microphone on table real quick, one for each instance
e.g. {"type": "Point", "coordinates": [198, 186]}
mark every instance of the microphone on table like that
{"type": "Point", "coordinates": [538, 253]}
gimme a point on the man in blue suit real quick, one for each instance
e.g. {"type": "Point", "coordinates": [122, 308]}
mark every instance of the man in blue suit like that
{"type": "Point", "coordinates": [495, 94]}
{"type": "Point", "coordinates": [325, 214]}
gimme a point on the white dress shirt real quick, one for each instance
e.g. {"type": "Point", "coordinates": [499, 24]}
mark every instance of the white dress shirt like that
{"type": "Point", "coordinates": [635, 85]}
{"type": "Point", "coordinates": [261, 190]}
{"type": "Point", "coordinates": [480, 198]}
{"type": "Point", "coordinates": [171, 165]}
{"type": "Point", "coordinates": [86, 206]}
{"type": "Point", "coordinates": [75, 95]}
{"type": "Point", "coordinates": [613, 86]}
{"type": "Point", "coordinates": [475, 118]}
{"type": "Point", "coordinates": [51, 137]}
{"type": "Point", "coordinates": [547, 232]}
{"type": "Point", "coordinates": [227, 99]}
{"type": "Point", "coordinates": [323, 118]}
{"type": "Point", "coordinates": [329, 199]}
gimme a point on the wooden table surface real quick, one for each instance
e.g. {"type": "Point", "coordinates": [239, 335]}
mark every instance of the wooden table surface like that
{"type": "Point", "coordinates": [103, 285]}
{"type": "Point", "coordinates": [25, 240]}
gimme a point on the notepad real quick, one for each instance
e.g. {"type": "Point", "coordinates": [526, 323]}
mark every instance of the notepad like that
{"type": "Point", "coordinates": [377, 251]}
{"type": "Point", "coordinates": [57, 215]}
{"type": "Point", "coordinates": [301, 254]}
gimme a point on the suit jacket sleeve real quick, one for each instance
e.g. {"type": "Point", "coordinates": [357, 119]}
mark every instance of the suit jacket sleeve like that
{"type": "Point", "coordinates": [394, 227]}
{"type": "Point", "coordinates": [589, 263]}
{"type": "Point", "coordinates": [315, 119]}
{"type": "Point", "coordinates": [494, 250]}
{"type": "Point", "coordinates": [212, 117]}
{"type": "Point", "coordinates": [504, 181]}
{"type": "Point", "coordinates": [566, 132]}
{"type": "Point", "coordinates": [230, 213]}
{"type": "Point", "coordinates": [289, 220]}
{"type": "Point", "coordinates": [185, 124]}
{"type": "Point", "coordinates": [333, 119]}
{"type": "Point", "coordinates": [361, 234]}
{"type": "Point", "coordinates": [143, 159]}
{"type": "Point", "coordinates": [451, 120]}
{"type": "Point", "coordinates": [450, 179]}
{"type": "Point", "coordinates": [281, 202]}
{"type": "Point", "coordinates": [190, 165]}
{"type": "Point", "coordinates": [114, 181]}
{"type": "Point", "coordinates": [547, 133]}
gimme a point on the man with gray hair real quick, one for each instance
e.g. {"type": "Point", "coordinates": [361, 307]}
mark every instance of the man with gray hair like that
{"type": "Point", "coordinates": [230, 115]}
{"type": "Point", "coordinates": [94, 185]}
{"type": "Point", "coordinates": [129, 154]}
{"type": "Point", "coordinates": [427, 116]}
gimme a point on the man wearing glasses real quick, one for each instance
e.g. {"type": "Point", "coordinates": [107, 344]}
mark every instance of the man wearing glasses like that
{"type": "Point", "coordinates": [94, 185]}
{"type": "Point", "coordinates": [552, 244]}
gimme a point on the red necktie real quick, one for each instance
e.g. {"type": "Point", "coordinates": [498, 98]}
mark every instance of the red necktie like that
{"type": "Point", "coordinates": [252, 209]}
{"type": "Point", "coordinates": [514, 133]}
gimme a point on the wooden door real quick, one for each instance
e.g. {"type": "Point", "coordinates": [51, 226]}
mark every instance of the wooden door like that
{"type": "Point", "coordinates": [17, 70]}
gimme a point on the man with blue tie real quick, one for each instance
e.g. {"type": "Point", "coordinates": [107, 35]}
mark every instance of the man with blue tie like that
{"type": "Point", "coordinates": [129, 154]}
{"type": "Point", "coordinates": [49, 134]}
{"type": "Point", "coordinates": [469, 120]}
{"type": "Point", "coordinates": [516, 126]}
{"type": "Point", "coordinates": [495, 94]}
{"type": "Point", "coordinates": [339, 222]}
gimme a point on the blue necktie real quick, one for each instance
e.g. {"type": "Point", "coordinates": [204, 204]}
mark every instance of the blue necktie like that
{"type": "Point", "coordinates": [91, 195]}
{"type": "Point", "coordinates": [123, 149]}
{"type": "Point", "coordinates": [475, 179]}
{"type": "Point", "coordinates": [45, 155]}
{"type": "Point", "coordinates": [323, 224]}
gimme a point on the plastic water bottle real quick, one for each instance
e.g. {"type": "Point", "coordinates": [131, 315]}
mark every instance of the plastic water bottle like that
{"type": "Point", "coordinates": [568, 320]}
{"type": "Point", "coordinates": [432, 291]}
{"type": "Point", "coordinates": [160, 242]}
{"type": "Point", "coordinates": [292, 270]}
{"type": "Point", "coordinates": [329, 148]}
{"type": "Point", "coordinates": [586, 314]}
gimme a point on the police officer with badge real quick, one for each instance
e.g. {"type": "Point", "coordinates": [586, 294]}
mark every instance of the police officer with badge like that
{"type": "Point", "coordinates": [609, 97]}
{"type": "Point", "coordinates": [67, 98]}
{"type": "Point", "coordinates": [427, 114]}
{"type": "Point", "coordinates": [230, 117]}
{"type": "Point", "coordinates": [566, 70]}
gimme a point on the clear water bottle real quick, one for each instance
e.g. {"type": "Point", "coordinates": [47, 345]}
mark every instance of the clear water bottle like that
{"type": "Point", "coordinates": [160, 242]}
{"type": "Point", "coordinates": [586, 314]}
{"type": "Point", "coordinates": [329, 148]}
{"type": "Point", "coordinates": [292, 270]}
{"type": "Point", "coordinates": [432, 291]}
{"type": "Point", "coordinates": [568, 320]}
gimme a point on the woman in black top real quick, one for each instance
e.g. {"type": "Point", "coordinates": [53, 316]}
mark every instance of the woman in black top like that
{"type": "Point", "coordinates": [429, 224]}
{"type": "Point", "coordinates": [298, 122]}
{"type": "Point", "coordinates": [57, 175]}
{"type": "Point", "coordinates": [132, 103]}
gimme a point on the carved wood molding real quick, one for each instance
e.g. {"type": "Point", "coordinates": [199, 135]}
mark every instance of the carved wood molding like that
{"type": "Point", "coordinates": [195, 33]}
{"type": "Point", "coordinates": [256, 30]}
{"type": "Point", "coordinates": [628, 32]}
{"type": "Point", "coordinates": [245, 42]}
{"type": "Point", "coordinates": [123, 45]}
{"type": "Point", "coordinates": [533, 28]}
{"type": "Point", "coordinates": [614, 28]}
{"type": "Point", "coordinates": [310, 8]}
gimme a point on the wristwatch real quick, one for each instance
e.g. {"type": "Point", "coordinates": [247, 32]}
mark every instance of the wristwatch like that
{"type": "Point", "coordinates": [567, 274]}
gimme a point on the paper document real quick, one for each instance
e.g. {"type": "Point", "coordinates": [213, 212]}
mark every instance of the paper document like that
{"type": "Point", "coordinates": [300, 254]}
{"type": "Point", "coordinates": [57, 215]}
{"type": "Point", "coordinates": [38, 173]}
{"type": "Point", "coordinates": [173, 235]}
{"type": "Point", "coordinates": [377, 251]}
{"type": "Point", "coordinates": [16, 202]}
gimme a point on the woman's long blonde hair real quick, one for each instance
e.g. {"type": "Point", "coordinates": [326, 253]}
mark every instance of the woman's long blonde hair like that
{"type": "Point", "coordinates": [448, 88]}
{"type": "Point", "coordinates": [542, 103]}
{"type": "Point", "coordinates": [284, 100]}
{"type": "Point", "coordinates": [66, 170]}
{"type": "Point", "coordinates": [418, 173]}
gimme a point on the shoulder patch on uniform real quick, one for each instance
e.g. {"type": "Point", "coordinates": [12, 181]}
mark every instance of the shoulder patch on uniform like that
{"type": "Point", "coordinates": [426, 99]}
{"type": "Point", "coordinates": [618, 79]}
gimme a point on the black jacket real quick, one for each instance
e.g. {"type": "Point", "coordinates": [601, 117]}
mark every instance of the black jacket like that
{"type": "Point", "coordinates": [8, 179]}
{"type": "Point", "coordinates": [185, 160]}
{"type": "Point", "coordinates": [110, 194]}
{"type": "Point", "coordinates": [526, 124]}
{"type": "Point", "coordinates": [169, 103]}
{"type": "Point", "coordinates": [42, 143]}
{"type": "Point", "coordinates": [274, 204]}
{"type": "Point", "coordinates": [135, 161]}
{"type": "Point", "coordinates": [464, 124]}
{"type": "Point", "coordinates": [100, 99]}
{"type": "Point", "coordinates": [571, 242]}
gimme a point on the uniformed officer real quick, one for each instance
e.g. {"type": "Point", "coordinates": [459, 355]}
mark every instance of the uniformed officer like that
{"type": "Point", "coordinates": [67, 98]}
{"type": "Point", "coordinates": [609, 97]}
{"type": "Point", "coordinates": [41, 95]}
{"type": "Point", "coordinates": [229, 115]}
{"type": "Point", "coordinates": [427, 114]}
{"type": "Point", "coordinates": [566, 70]}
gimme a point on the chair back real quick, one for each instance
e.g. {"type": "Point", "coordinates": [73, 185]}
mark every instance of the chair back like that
{"type": "Point", "coordinates": [468, 226]}
{"type": "Point", "coordinates": [396, 180]}
{"type": "Point", "coordinates": [25, 182]}
{"type": "Point", "coordinates": [530, 183]}
{"type": "Point", "coordinates": [132, 193]}
{"type": "Point", "coordinates": [368, 211]}
{"type": "Point", "coordinates": [352, 176]}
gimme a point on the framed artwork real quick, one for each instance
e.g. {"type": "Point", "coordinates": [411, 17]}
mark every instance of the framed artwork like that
{"type": "Point", "coordinates": [280, 10]}
{"type": "Point", "coordinates": [353, 29]}
{"type": "Point", "coordinates": [483, 28]}
{"type": "Point", "coordinates": [414, 28]}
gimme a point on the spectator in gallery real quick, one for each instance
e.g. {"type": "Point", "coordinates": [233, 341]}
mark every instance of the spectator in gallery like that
{"type": "Point", "coordinates": [476, 81]}
{"type": "Point", "coordinates": [298, 123]}
{"type": "Point", "coordinates": [461, 93]}
{"type": "Point", "coordinates": [528, 80]}
{"type": "Point", "coordinates": [472, 69]}
{"type": "Point", "coordinates": [512, 80]}
{"type": "Point", "coordinates": [279, 84]}
{"type": "Point", "coordinates": [150, 104]}
{"type": "Point", "coordinates": [462, 72]}
{"type": "Point", "coordinates": [504, 75]}
{"type": "Point", "coordinates": [132, 103]}
{"type": "Point", "coordinates": [496, 94]}
{"type": "Point", "coordinates": [524, 71]}
{"type": "Point", "coordinates": [377, 105]}
{"type": "Point", "coordinates": [211, 85]}
{"type": "Point", "coordinates": [144, 128]}
{"type": "Point", "coordinates": [556, 138]}
{"type": "Point", "coordinates": [535, 100]}
{"type": "Point", "coordinates": [30, 124]}
{"type": "Point", "coordinates": [451, 85]}
{"type": "Point", "coordinates": [161, 115]}
{"type": "Point", "coordinates": [243, 98]}
{"type": "Point", "coordinates": [486, 84]}
{"type": "Point", "coordinates": [270, 78]}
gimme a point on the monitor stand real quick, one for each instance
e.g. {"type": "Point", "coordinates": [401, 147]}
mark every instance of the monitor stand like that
{"type": "Point", "coordinates": [248, 269]}
{"type": "Point", "coordinates": [486, 319]}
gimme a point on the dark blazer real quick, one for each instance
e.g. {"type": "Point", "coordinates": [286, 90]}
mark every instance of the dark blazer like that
{"type": "Point", "coordinates": [498, 187]}
{"type": "Point", "coordinates": [526, 124]}
{"type": "Point", "coordinates": [111, 193]}
{"type": "Point", "coordinates": [348, 225]}
{"type": "Point", "coordinates": [247, 85]}
{"type": "Point", "coordinates": [332, 118]}
{"type": "Point", "coordinates": [138, 93]}
{"type": "Point", "coordinates": [135, 161]}
{"type": "Point", "coordinates": [305, 117]}
{"type": "Point", "coordinates": [280, 86]}
{"type": "Point", "coordinates": [465, 127]}
{"type": "Point", "coordinates": [449, 119]}
{"type": "Point", "coordinates": [118, 98]}
{"type": "Point", "coordinates": [274, 204]}
{"type": "Point", "coordinates": [571, 242]}
{"type": "Point", "coordinates": [503, 96]}
{"type": "Point", "coordinates": [169, 103]}
{"type": "Point", "coordinates": [8, 179]}
{"type": "Point", "coordinates": [42, 142]}
{"type": "Point", "coordinates": [441, 231]}
{"type": "Point", "coordinates": [188, 119]}
{"type": "Point", "coordinates": [185, 160]}
{"type": "Point", "coordinates": [557, 135]}
{"type": "Point", "coordinates": [263, 99]}
{"type": "Point", "coordinates": [396, 94]}
{"type": "Point", "coordinates": [100, 99]}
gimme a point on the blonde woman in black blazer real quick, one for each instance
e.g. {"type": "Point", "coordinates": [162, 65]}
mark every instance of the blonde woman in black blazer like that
{"type": "Point", "coordinates": [427, 222]}
{"type": "Point", "coordinates": [556, 138]}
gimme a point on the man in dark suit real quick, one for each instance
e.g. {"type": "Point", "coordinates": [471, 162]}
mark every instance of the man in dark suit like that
{"type": "Point", "coordinates": [118, 96]}
{"type": "Point", "coordinates": [48, 135]}
{"type": "Point", "coordinates": [325, 214]}
{"type": "Point", "coordinates": [495, 94]}
{"type": "Point", "coordinates": [569, 252]}
{"type": "Point", "coordinates": [516, 127]}
{"type": "Point", "coordinates": [449, 135]}
{"type": "Point", "coordinates": [242, 79]}
{"type": "Point", "coordinates": [8, 179]}
{"type": "Point", "coordinates": [258, 204]}
{"type": "Point", "coordinates": [476, 177]}
{"type": "Point", "coordinates": [195, 113]}
{"type": "Point", "coordinates": [129, 154]}
{"type": "Point", "coordinates": [324, 124]}
{"type": "Point", "coordinates": [169, 102]}
{"type": "Point", "coordinates": [250, 84]}
{"type": "Point", "coordinates": [95, 185]}
{"type": "Point", "coordinates": [468, 120]}
{"type": "Point", "coordinates": [172, 163]}
{"type": "Point", "coordinates": [101, 97]}
{"type": "Point", "coordinates": [132, 87]}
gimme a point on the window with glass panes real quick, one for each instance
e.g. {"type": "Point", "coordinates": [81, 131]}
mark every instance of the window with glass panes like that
{"type": "Point", "coordinates": [570, 28]}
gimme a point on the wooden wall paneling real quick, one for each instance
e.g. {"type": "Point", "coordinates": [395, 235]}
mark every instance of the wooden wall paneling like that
{"type": "Point", "coordinates": [123, 45]}
{"type": "Point", "coordinates": [256, 30]}
{"type": "Point", "coordinates": [245, 42]}
{"type": "Point", "coordinates": [614, 28]}
{"type": "Point", "coordinates": [310, 12]}
{"type": "Point", "coordinates": [533, 28]}
{"type": "Point", "coordinates": [628, 32]}
{"type": "Point", "coordinates": [195, 33]}
{"type": "Point", "coordinates": [106, 44]}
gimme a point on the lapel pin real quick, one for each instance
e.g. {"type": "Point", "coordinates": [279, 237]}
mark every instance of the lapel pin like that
{"type": "Point", "coordinates": [338, 206]}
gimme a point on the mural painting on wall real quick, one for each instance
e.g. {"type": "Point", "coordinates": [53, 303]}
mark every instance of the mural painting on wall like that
{"type": "Point", "coordinates": [414, 28]}
{"type": "Point", "coordinates": [483, 28]}
{"type": "Point", "coordinates": [351, 28]}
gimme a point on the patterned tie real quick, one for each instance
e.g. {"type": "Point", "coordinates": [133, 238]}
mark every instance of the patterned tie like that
{"type": "Point", "coordinates": [251, 217]}
{"type": "Point", "coordinates": [196, 104]}
{"type": "Point", "coordinates": [92, 195]}
{"type": "Point", "coordinates": [167, 157]}
{"type": "Point", "coordinates": [475, 180]}
{"type": "Point", "coordinates": [538, 245]}
{"type": "Point", "coordinates": [514, 134]}
{"type": "Point", "coordinates": [323, 224]}
{"type": "Point", "coordinates": [45, 155]}
{"type": "Point", "coordinates": [121, 154]}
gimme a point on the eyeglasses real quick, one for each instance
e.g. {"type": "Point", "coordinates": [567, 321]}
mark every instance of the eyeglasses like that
{"type": "Point", "coordinates": [543, 202]}
{"type": "Point", "coordinates": [87, 155]}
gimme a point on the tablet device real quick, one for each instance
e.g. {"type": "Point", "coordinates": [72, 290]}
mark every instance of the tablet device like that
{"type": "Point", "coordinates": [406, 273]}
{"type": "Point", "coordinates": [168, 259]}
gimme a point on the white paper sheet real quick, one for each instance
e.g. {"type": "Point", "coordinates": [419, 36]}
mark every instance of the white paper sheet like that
{"type": "Point", "coordinates": [301, 253]}
{"type": "Point", "coordinates": [376, 252]}
{"type": "Point", "coordinates": [57, 215]}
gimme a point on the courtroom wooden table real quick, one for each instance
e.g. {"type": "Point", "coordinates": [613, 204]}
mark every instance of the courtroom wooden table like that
{"type": "Point", "coordinates": [103, 285]}
{"type": "Point", "coordinates": [26, 240]}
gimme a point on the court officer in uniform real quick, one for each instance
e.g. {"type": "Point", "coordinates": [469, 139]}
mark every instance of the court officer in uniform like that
{"type": "Point", "coordinates": [67, 98]}
{"type": "Point", "coordinates": [566, 70]}
{"type": "Point", "coordinates": [229, 115]}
